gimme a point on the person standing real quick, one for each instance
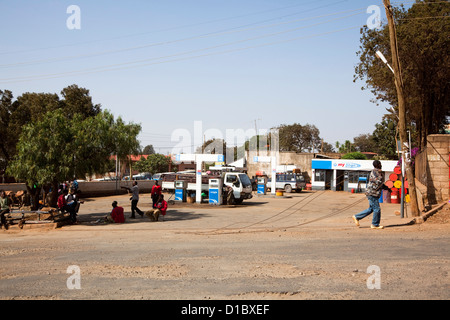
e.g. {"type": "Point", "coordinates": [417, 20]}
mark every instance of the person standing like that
{"type": "Point", "coordinates": [134, 200]}
{"type": "Point", "coordinates": [73, 205]}
{"type": "Point", "coordinates": [5, 207]}
{"type": "Point", "coordinates": [156, 192]}
{"type": "Point", "coordinates": [373, 193]}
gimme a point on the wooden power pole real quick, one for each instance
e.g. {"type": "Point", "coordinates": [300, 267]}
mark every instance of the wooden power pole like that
{"type": "Point", "coordinates": [401, 108]}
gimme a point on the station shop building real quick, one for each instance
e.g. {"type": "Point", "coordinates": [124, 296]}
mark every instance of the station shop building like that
{"type": "Point", "coordinates": [345, 175]}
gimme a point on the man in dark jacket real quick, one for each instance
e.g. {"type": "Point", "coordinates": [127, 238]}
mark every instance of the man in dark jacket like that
{"type": "Point", "coordinates": [373, 193]}
{"type": "Point", "coordinates": [134, 201]}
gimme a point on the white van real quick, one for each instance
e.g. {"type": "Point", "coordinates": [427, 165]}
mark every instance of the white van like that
{"type": "Point", "coordinates": [288, 182]}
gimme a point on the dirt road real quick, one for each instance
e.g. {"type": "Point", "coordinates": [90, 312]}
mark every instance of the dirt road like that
{"type": "Point", "coordinates": [300, 247]}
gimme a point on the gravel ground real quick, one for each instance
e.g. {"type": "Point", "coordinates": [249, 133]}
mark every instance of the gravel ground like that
{"type": "Point", "coordinates": [300, 247]}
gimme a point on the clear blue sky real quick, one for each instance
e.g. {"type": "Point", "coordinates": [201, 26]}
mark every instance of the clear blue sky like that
{"type": "Point", "coordinates": [227, 63]}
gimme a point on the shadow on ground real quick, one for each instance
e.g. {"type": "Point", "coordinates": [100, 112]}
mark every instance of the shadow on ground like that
{"type": "Point", "coordinates": [97, 219]}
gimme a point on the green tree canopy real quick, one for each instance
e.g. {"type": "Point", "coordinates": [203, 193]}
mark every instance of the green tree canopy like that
{"type": "Point", "coordinates": [148, 149]}
{"type": "Point", "coordinates": [56, 148]}
{"type": "Point", "coordinates": [423, 41]}
{"type": "Point", "coordinates": [30, 106]}
{"type": "Point", "coordinates": [6, 148]}
{"type": "Point", "coordinates": [364, 143]}
{"type": "Point", "coordinates": [346, 147]}
{"type": "Point", "coordinates": [154, 163]}
{"type": "Point", "coordinates": [384, 137]}
{"type": "Point", "coordinates": [77, 100]}
{"type": "Point", "coordinates": [355, 156]}
{"type": "Point", "coordinates": [299, 138]}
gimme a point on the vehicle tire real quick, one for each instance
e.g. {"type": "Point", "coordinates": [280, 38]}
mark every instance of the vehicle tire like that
{"type": "Point", "coordinates": [238, 201]}
{"type": "Point", "coordinates": [288, 188]}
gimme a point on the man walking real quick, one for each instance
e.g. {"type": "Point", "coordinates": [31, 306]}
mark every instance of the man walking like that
{"type": "Point", "coordinates": [134, 201]}
{"type": "Point", "coordinates": [373, 193]}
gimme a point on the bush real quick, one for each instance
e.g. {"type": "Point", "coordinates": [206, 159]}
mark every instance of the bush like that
{"type": "Point", "coordinates": [354, 156]}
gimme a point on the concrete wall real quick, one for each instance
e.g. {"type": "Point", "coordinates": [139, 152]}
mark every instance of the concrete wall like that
{"type": "Point", "coordinates": [438, 151]}
{"type": "Point", "coordinates": [94, 188]}
{"type": "Point", "coordinates": [301, 160]}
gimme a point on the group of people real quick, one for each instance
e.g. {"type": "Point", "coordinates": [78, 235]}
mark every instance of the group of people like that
{"type": "Point", "coordinates": [159, 205]}
{"type": "Point", "coordinates": [68, 201]}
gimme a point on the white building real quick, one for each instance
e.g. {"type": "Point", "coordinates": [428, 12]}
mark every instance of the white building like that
{"type": "Point", "coordinates": [345, 175]}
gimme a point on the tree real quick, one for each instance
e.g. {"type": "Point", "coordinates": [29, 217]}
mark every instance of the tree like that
{"type": "Point", "coordinates": [347, 147]}
{"type": "Point", "coordinates": [258, 144]}
{"type": "Point", "coordinates": [56, 148]}
{"type": "Point", "coordinates": [384, 137]}
{"type": "Point", "coordinates": [124, 137]}
{"type": "Point", "coordinates": [299, 138]}
{"type": "Point", "coordinates": [77, 100]}
{"type": "Point", "coordinates": [355, 156]}
{"type": "Point", "coordinates": [148, 149]}
{"type": "Point", "coordinates": [154, 163]}
{"type": "Point", "coordinates": [423, 42]}
{"type": "Point", "coordinates": [417, 42]}
{"type": "Point", "coordinates": [327, 148]}
{"type": "Point", "coordinates": [6, 145]}
{"type": "Point", "coordinates": [364, 143]}
{"type": "Point", "coordinates": [213, 146]}
{"type": "Point", "coordinates": [26, 108]}
{"type": "Point", "coordinates": [402, 105]}
{"type": "Point", "coordinates": [32, 107]}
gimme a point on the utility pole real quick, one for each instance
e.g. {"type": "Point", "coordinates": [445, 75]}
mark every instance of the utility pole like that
{"type": "Point", "coordinates": [257, 139]}
{"type": "Point", "coordinates": [401, 108]}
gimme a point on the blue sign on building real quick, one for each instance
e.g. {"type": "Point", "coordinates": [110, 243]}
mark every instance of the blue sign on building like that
{"type": "Point", "coordinates": [321, 164]}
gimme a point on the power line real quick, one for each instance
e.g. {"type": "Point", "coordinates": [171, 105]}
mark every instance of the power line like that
{"type": "Point", "coordinates": [176, 28]}
{"type": "Point", "coordinates": [202, 36]}
{"type": "Point", "coordinates": [155, 134]}
{"type": "Point", "coordinates": [141, 63]}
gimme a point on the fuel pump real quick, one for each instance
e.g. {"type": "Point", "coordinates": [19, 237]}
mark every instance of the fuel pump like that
{"type": "Point", "coordinates": [215, 191]}
{"type": "Point", "coordinates": [346, 180]}
{"type": "Point", "coordinates": [180, 190]}
{"type": "Point", "coordinates": [262, 183]}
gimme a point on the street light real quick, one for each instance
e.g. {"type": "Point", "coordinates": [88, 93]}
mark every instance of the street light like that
{"type": "Point", "coordinates": [381, 56]}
